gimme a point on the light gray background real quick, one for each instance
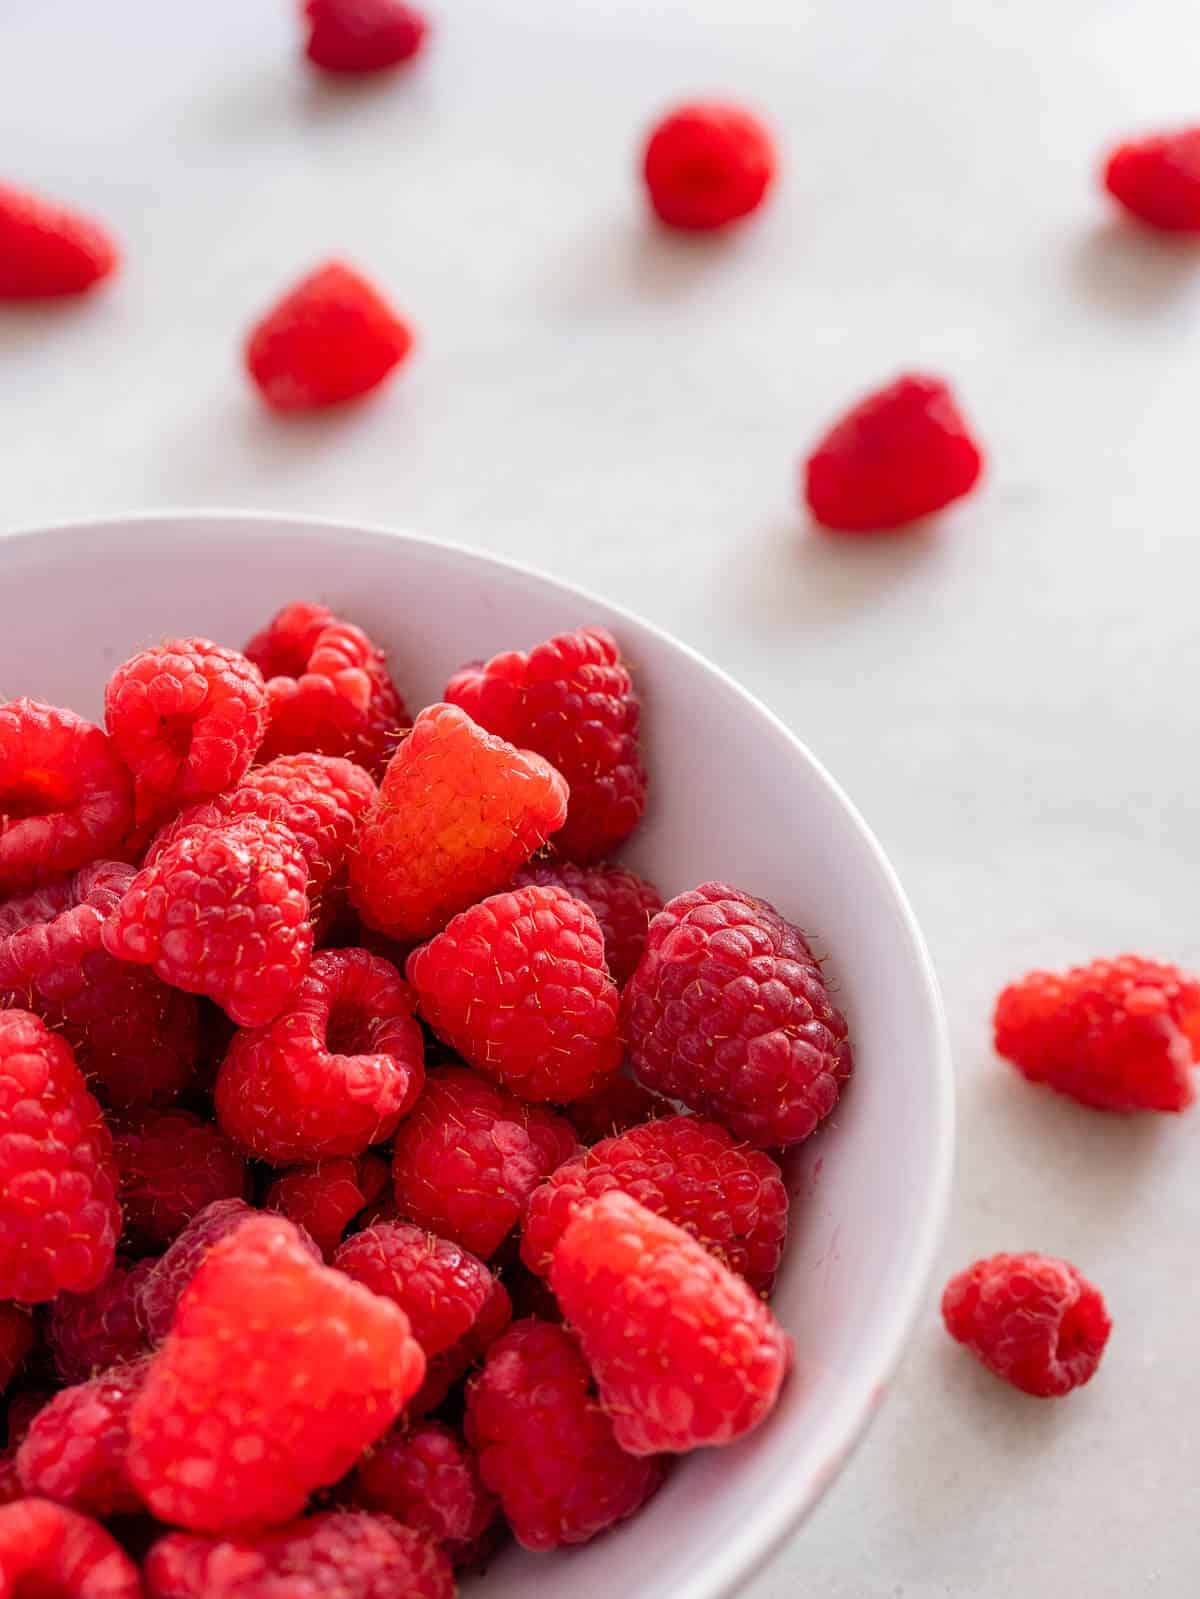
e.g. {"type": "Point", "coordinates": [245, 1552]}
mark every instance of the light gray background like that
{"type": "Point", "coordinates": [1010, 697]}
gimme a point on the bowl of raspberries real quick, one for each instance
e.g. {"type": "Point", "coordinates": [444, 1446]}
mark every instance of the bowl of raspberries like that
{"type": "Point", "coordinates": [474, 1102]}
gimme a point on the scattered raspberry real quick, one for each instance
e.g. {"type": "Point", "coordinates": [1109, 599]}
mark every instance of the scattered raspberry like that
{"type": "Point", "coordinates": [706, 165]}
{"type": "Point", "coordinates": [159, 1292]}
{"type": "Point", "coordinates": [614, 1106]}
{"type": "Point", "coordinates": [571, 700]}
{"type": "Point", "coordinates": [426, 1478]}
{"type": "Point", "coordinates": [50, 1552]}
{"type": "Point", "coordinates": [16, 1340]}
{"type": "Point", "coordinates": [323, 1199]}
{"type": "Point", "coordinates": [88, 1333]}
{"type": "Point", "coordinates": [901, 453]}
{"type": "Point", "coordinates": [545, 1446]}
{"type": "Point", "coordinates": [172, 1164]}
{"type": "Point", "coordinates": [685, 1354]}
{"type": "Point", "coordinates": [1030, 1319]}
{"type": "Point", "coordinates": [1119, 1035]}
{"type": "Point", "coordinates": [74, 1452]}
{"type": "Point", "coordinates": [623, 903]}
{"type": "Point", "coordinates": [1157, 180]}
{"type": "Point", "coordinates": [469, 1156]}
{"type": "Point", "coordinates": [222, 913]}
{"type": "Point", "coordinates": [47, 251]}
{"type": "Point", "coordinates": [59, 1217]}
{"type": "Point", "coordinates": [65, 798]}
{"type": "Point", "coordinates": [276, 1375]}
{"type": "Point", "coordinates": [458, 812]}
{"type": "Point", "coordinates": [362, 35]}
{"type": "Point", "coordinates": [331, 338]}
{"type": "Point", "coordinates": [728, 1013]}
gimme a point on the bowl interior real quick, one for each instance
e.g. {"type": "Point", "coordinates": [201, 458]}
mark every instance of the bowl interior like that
{"type": "Point", "coordinates": [734, 796]}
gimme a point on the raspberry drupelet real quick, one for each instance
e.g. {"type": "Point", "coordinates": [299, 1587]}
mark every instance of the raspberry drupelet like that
{"type": "Point", "coordinates": [50, 1552]}
{"type": "Point", "coordinates": [427, 1478]}
{"type": "Point", "coordinates": [75, 1449]}
{"type": "Point", "coordinates": [87, 1333]}
{"type": "Point", "coordinates": [48, 251]}
{"type": "Point", "coordinates": [357, 36]}
{"type": "Point", "coordinates": [706, 165]}
{"type": "Point", "coordinates": [623, 903]}
{"type": "Point", "coordinates": [172, 1165]}
{"type": "Point", "coordinates": [1157, 180]}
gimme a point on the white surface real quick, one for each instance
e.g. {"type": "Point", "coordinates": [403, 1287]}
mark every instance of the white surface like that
{"type": "Point", "coordinates": [1011, 698]}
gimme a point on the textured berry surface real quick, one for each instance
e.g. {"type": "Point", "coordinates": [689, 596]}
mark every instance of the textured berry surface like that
{"type": "Point", "coordinates": [276, 1375]}
{"type": "Point", "coordinates": [50, 1552]}
{"type": "Point", "coordinates": [75, 1449]}
{"type": "Point", "coordinates": [1030, 1319]}
{"type": "Point", "coordinates": [443, 1371]}
{"type": "Point", "coordinates": [331, 338]}
{"type": "Point", "coordinates": [545, 1446]}
{"type": "Point", "coordinates": [1118, 1035]}
{"type": "Point", "coordinates": [459, 810]}
{"type": "Point", "coordinates": [614, 1106]}
{"type": "Point", "coordinates": [706, 165]}
{"type": "Point", "coordinates": [10, 1482]}
{"type": "Point", "coordinates": [623, 903]}
{"type": "Point", "coordinates": [571, 699]}
{"type": "Point", "coordinates": [728, 1013]}
{"type": "Point", "coordinates": [172, 1164]}
{"type": "Point", "coordinates": [158, 1292]}
{"type": "Point", "coordinates": [684, 1353]}
{"type": "Point", "coordinates": [324, 1198]}
{"type": "Point", "coordinates": [223, 913]}
{"type": "Point", "coordinates": [1157, 180]}
{"type": "Point", "coordinates": [903, 452]}
{"type": "Point", "coordinates": [65, 798]}
{"type": "Point", "coordinates": [59, 1217]}
{"type": "Point", "coordinates": [362, 35]}
{"type": "Point", "coordinates": [426, 1478]}
{"type": "Point", "coordinates": [518, 986]}
{"type": "Point", "coordinates": [87, 1333]}
{"type": "Point", "coordinates": [16, 1340]}
{"type": "Point", "coordinates": [469, 1156]}
{"type": "Point", "coordinates": [47, 251]}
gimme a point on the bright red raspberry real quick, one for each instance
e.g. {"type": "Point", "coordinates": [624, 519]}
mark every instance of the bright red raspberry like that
{"type": "Point", "coordinates": [458, 812]}
{"type": "Point", "coordinates": [16, 1340]}
{"type": "Point", "coordinates": [469, 1156]}
{"type": "Point", "coordinates": [571, 700]}
{"type": "Point", "coordinates": [276, 1375]}
{"type": "Point", "coordinates": [903, 452]}
{"type": "Point", "coordinates": [1030, 1319]}
{"type": "Point", "coordinates": [730, 1198]}
{"type": "Point", "coordinates": [50, 1552]}
{"type": "Point", "coordinates": [427, 1478]}
{"type": "Point", "coordinates": [623, 903]}
{"type": "Point", "coordinates": [684, 1353]}
{"type": "Point", "coordinates": [728, 1012]}
{"type": "Point", "coordinates": [223, 913]}
{"type": "Point", "coordinates": [74, 1452]}
{"type": "Point", "coordinates": [65, 798]}
{"type": "Point", "coordinates": [545, 1446]}
{"type": "Point", "coordinates": [614, 1106]}
{"type": "Point", "coordinates": [343, 1554]}
{"type": "Point", "coordinates": [1118, 1035]}
{"type": "Point", "coordinates": [158, 1293]}
{"type": "Point", "coordinates": [323, 1199]}
{"type": "Point", "coordinates": [331, 338]}
{"type": "Point", "coordinates": [59, 1217]}
{"type": "Point", "coordinates": [172, 1164]}
{"type": "Point", "coordinates": [88, 1333]}
{"type": "Point", "coordinates": [707, 164]}
{"type": "Point", "coordinates": [47, 251]}
{"type": "Point", "coordinates": [354, 36]}
{"type": "Point", "coordinates": [518, 985]}
{"type": "Point", "coordinates": [1157, 180]}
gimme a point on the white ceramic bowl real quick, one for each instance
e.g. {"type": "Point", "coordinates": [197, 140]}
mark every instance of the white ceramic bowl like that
{"type": "Point", "coordinates": [735, 795]}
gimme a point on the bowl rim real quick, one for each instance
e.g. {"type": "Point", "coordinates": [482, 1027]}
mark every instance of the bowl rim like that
{"type": "Point", "coordinates": [773, 1522]}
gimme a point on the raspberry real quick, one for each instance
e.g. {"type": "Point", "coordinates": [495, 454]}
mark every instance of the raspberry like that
{"type": "Point", "coordinates": [706, 165]}
{"type": "Point", "coordinates": [1157, 180]}
{"type": "Point", "coordinates": [458, 812]}
{"type": "Point", "coordinates": [323, 1199]}
{"type": "Point", "coordinates": [74, 1452]}
{"type": "Point", "coordinates": [47, 251]}
{"type": "Point", "coordinates": [172, 1165]}
{"type": "Point", "coordinates": [545, 1446]}
{"type": "Point", "coordinates": [518, 985]}
{"type": "Point", "coordinates": [614, 1106]}
{"type": "Point", "coordinates": [1118, 1035]}
{"type": "Point", "coordinates": [443, 1371]}
{"type": "Point", "coordinates": [571, 700]}
{"type": "Point", "coordinates": [469, 1156]}
{"type": "Point", "coordinates": [88, 1333]}
{"type": "Point", "coordinates": [331, 338]}
{"type": "Point", "coordinates": [623, 903]}
{"type": "Point", "coordinates": [1030, 1319]}
{"type": "Point", "coordinates": [65, 798]}
{"type": "Point", "coordinates": [135, 1039]}
{"type": "Point", "coordinates": [374, 1175]}
{"type": "Point", "coordinates": [50, 1552]}
{"type": "Point", "coordinates": [903, 452]}
{"type": "Point", "coordinates": [16, 1340]}
{"type": "Point", "coordinates": [222, 913]}
{"type": "Point", "coordinates": [276, 1375]}
{"type": "Point", "coordinates": [10, 1482]}
{"type": "Point", "coordinates": [59, 1217]}
{"type": "Point", "coordinates": [159, 1292]}
{"type": "Point", "coordinates": [338, 1555]}
{"type": "Point", "coordinates": [731, 1199]}
{"type": "Point", "coordinates": [426, 1478]}
{"type": "Point", "coordinates": [728, 1012]}
{"type": "Point", "coordinates": [684, 1353]}
{"type": "Point", "coordinates": [362, 35]}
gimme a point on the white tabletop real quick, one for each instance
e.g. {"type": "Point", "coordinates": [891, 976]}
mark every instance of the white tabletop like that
{"type": "Point", "coordinates": [1011, 698]}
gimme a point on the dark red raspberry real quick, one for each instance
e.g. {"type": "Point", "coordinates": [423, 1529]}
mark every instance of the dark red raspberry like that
{"type": "Point", "coordinates": [1119, 1035]}
{"type": "Point", "coordinates": [16, 1340]}
{"type": "Point", "coordinates": [728, 1013]}
{"type": "Point", "coordinates": [356, 36]}
{"type": "Point", "coordinates": [87, 1333]}
{"type": "Point", "coordinates": [571, 699]}
{"type": "Point", "coordinates": [518, 985]}
{"type": "Point", "coordinates": [684, 1353]}
{"type": "Point", "coordinates": [47, 251]}
{"type": "Point", "coordinates": [614, 1106]}
{"type": "Point", "coordinates": [65, 798]}
{"type": "Point", "coordinates": [322, 1199]}
{"type": "Point", "coordinates": [22, 1409]}
{"type": "Point", "coordinates": [172, 1164]}
{"type": "Point", "coordinates": [1157, 180]}
{"type": "Point", "coordinates": [10, 1482]}
{"type": "Point", "coordinates": [624, 904]}
{"type": "Point", "coordinates": [74, 1452]}
{"type": "Point", "coordinates": [50, 1552]}
{"type": "Point", "coordinates": [1030, 1319]}
{"type": "Point", "coordinates": [223, 913]}
{"type": "Point", "coordinates": [469, 1156]}
{"type": "Point", "coordinates": [903, 452]}
{"type": "Point", "coordinates": [59, 1217]}
{"type": "Point", "coordinates": [426, 1478]}
{"type": "Point", "coordinates": [374, 1176]}
{"type": "Point", "coordinates": [707, 164]}
{"type": "Point", "coordinates": [545, 1446]}
{"type": "Point", "coordinates": [331, 338]}
{"type": "Point", "coordinates": [160, 1290]}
